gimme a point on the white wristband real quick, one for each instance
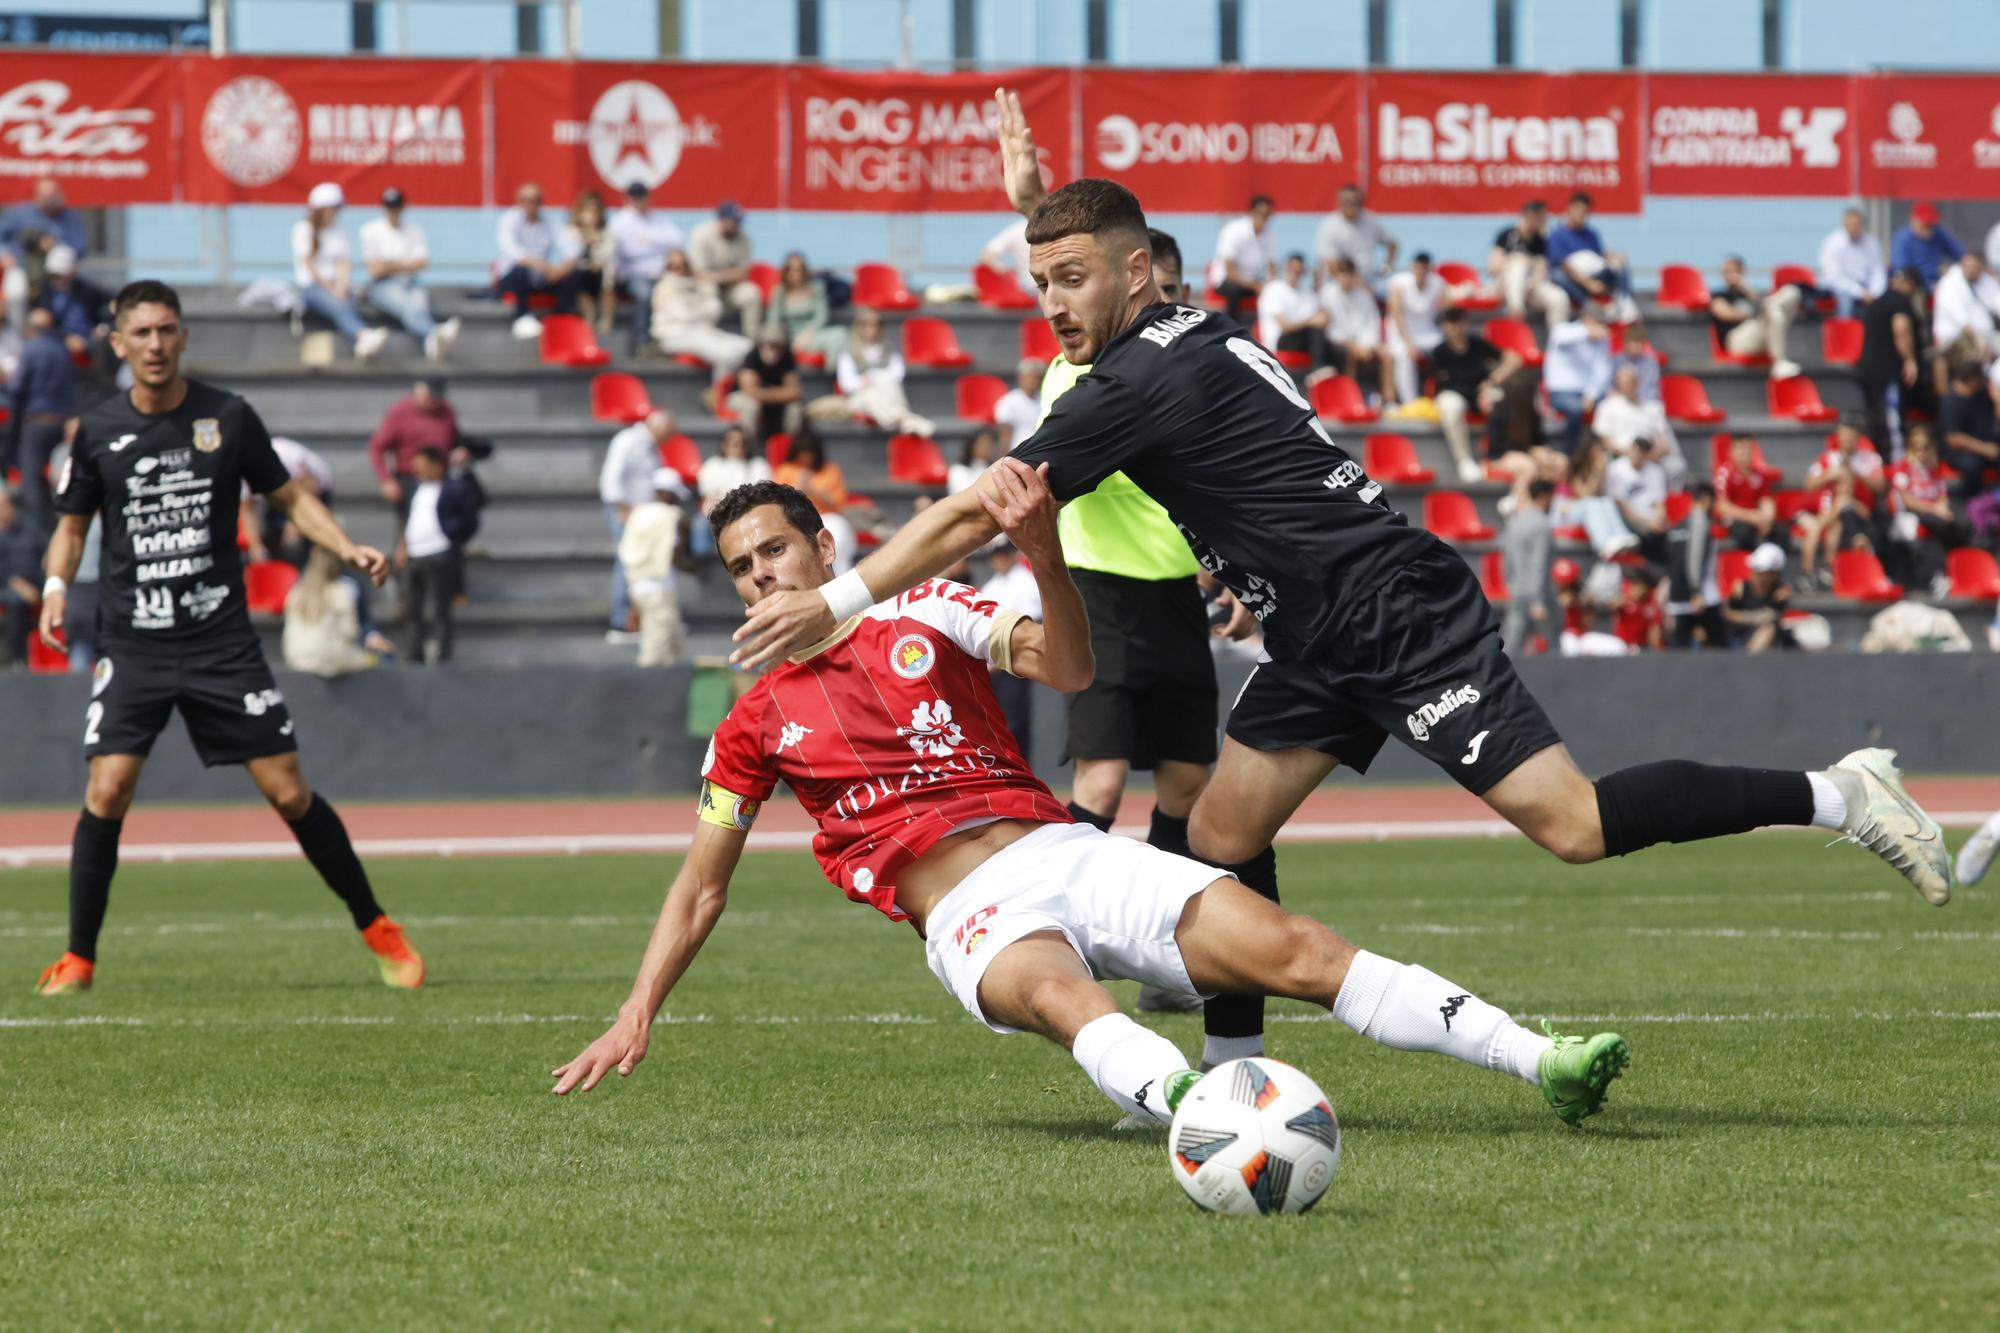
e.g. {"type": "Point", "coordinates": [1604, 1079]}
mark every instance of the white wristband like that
{"type": "Point", "coordinates": [55, 584]}
{"type": "Point", "coordinates": [847, 595]}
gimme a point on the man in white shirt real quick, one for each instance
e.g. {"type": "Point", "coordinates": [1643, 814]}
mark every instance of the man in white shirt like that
{"type": "Point", "coordinates": [395, 252]}
{"type": "Point", "coordinates": [1246, 257]}
{"type": "Point", "coordinates": [322, 267]}
{"type": "Point", "coordinates": [643, 239]}
{"type": "Point", "coordinates": [1289, 316]}
{"type": "Point", "coordinates": [1007, 252]}
{"type": "Point", "coordinates": [1354, 324]}
{"type": "Point", "coordinates": [534, 257]}
{"type": "Point", "coordinates": [1637, 484]}
{"type": "Point", "coordinates": [1625, 417]}
{"type": "Point", "coordinates": [1965, 310]}
{"type": "Point", "coordinates": [720, 251]}
{"type": "Point", "coordinates": [624, 483]}
{"type": "Point", "coordinates": [1351, 232]}
{"type": "Point", "coordinates": [1417, 296]}
{"type": "Point", "coordinates": [1576, 371]}
{"type": "Point", "coordinates": [1850, 264]}
{"type": "Point", "coordinates": [444, 506]}
{"type": "Point", "coordinates": [652, 539]}
{"type": "Point", "coordinates": [1019, 410]}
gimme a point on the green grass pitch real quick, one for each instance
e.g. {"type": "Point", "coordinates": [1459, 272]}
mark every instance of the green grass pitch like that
{"type": "Point", "coordinates": [241, 1128]}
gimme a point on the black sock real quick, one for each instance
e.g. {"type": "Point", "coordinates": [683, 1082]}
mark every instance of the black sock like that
{"type": "Point", "coordinates": [93, 860]}
{"type": "Point", "coordinates": [1243, 1015]}
{"type": "Point", "coordinates": [1083, 816]}
{"type": "Point", "coordinates": [1169, 834]}
{"type": "Point", "coordinates": [328, 847]}
{"type": "Point", "coordinates": [1678, 800]}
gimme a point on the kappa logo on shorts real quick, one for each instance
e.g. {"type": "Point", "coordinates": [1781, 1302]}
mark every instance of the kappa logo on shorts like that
{"type": "Point", "coordinates": [1428, 716]}
{"type": "Point", "coordinates": [912, 657]}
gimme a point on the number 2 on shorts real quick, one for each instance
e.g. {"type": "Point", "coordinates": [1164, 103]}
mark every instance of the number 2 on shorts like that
{"type": "Point", "coordinates": [92, 717]}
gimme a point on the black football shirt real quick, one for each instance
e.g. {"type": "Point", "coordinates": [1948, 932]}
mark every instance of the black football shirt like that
{"type": "Point", "coordinates": [168, 485]}
{"type": "Point", "coordinates": [1208, 423]}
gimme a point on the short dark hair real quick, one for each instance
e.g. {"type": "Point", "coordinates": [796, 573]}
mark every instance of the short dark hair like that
{"type": "Point", "coordinates": [1091, 206]}
{"type": "Point", "coordinates": [798, 508]}
{"type": "Point", "coordinates": [1260, 199]}
{"type": "Point", "coordinates": [1534, 206]}
{"type": "Point", "coordinates": [432, 452]}
{"type": "Point", "coordinates": [1166, 250]}
{"type": "Point", "coordinates": [1453, 314]}
{"type": "Point", "coordinates": [1967, 369]}
{"type": "Point", "coordinates": [1704, 492]}
{"type": "Point", "coordinates": [1344, 265]}
{"type": "Point", "coordinates": [1734, 259]}
{"type": "Point", "coordinates": [146, 291]}
{"type": "Point", "coordinates": [1541, 488]}
{"type": "Point", "coordinates": [1583, 197]}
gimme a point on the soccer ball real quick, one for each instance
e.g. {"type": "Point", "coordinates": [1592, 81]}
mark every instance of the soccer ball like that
{"type": "Point", "coordinates": [1254, 1136]}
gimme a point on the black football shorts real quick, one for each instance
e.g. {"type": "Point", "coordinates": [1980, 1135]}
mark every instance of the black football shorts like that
{"type": "Point", "coordinates": [225, 693]}
{"type": "Point", "coordinates": [1154, 696]}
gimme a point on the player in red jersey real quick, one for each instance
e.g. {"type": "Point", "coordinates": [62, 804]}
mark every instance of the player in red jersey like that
{"type": "Point", "coordinates": [889, 733]}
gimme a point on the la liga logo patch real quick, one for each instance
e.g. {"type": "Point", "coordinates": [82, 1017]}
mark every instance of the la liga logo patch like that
{"type": "Point", "coordinates": [912, 657]}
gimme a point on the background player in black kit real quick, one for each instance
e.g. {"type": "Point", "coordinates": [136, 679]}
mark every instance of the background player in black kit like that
{"type": "Point", "coordinates": [1371, 626]}
{"type": "Point", "coordinates": [164, 464]}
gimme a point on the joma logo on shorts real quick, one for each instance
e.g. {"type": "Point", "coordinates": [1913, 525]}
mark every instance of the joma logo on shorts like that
{"type": "Point", "coordinates": [1448, 703]}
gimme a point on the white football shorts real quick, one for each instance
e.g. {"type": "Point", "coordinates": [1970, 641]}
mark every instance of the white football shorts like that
{"type": "Point", "coordinates": [1116, 901]}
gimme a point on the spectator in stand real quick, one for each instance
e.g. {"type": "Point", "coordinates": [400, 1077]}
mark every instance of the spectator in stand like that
{"type": "Point", "coordinates": [535, 259]}
{"type": "Point", "coordinates": [980, 451]}
{"type": "Point", "coordinates": [1019, 410]}
{"type": "Point", "coordinates": [322, 634]}
{"type": "Point", "coordinates": [1850, 264]}
{"type": "Point", "coordinates": [1965, 311]}
{"type": "Point", "coordinates": [1527, 543]}
{"type": "Point", "coordinates": [20, 578]}
{"type": "Point", "coordinates": [1580, 635]}
{"type": "Point", "coordinates": [734, 464]}
{"type": "Point", "coordinates": [1924, 245]}
{"type": "Point", "coordinates": [1694, 599]}
{"type": "Point", "coordinates": [1417, 296]}
{"type": "Point", "coordinates": [624, 483]}
{"type": "Point", "coordinates": [1289, 316]}
{"type": "Point", "coordinates": [869, 380]}
{"type": "Point", "coordinates": [77, 307]}
{"type": "Point", "coordinates": [1519, 262]}
{"type": "Point", "coordinates": [424, 420]}
{"type": "Point", "coordinates": [1640, 620]}
{"type": "Point", "coordinates": [641, 240]}
{"type": "Point", "coordinates": [264, 529]}
{"type": "Point", "coordinates": [807, 468]}
{"type": "Point", "coordinates": [587, 235]}
{"type": "Point", "coordinates": [1892, 345]}
{"type": "Point", "coordinates": [1757, 607]}
{"type": "Point", "coordinates": [1352, 233]}
{"type": "Point", "coordinates": [1847, 479]}
{"type": "Point", "coordinates": [1007, 252]}
{"type": "Point", "coordinates": [42, 396]}
{"type": "Point", "coordinates": [1971, 431]}
{"type": "Point", "coordinates": [1644, 362]}
{"type": "Point", "coordinates": [1354, 328]}
{"type": "Point", "coordinates": [324, 270]}
{"type": "Point", "coordinates": [686, 319]}
{"type": "Point", "coordinates": [30, 232]}
{"type": "Point", "coordinates": [1924, 526]}
{"type": "Point", "coordinates": [443, 517]}
{"type": "Point", "coordinates": [720, 251]}
{"type": "Point", "coordinates": [1625, 415]}
{"type": "Point", "coordinates": [798, 303]}
{"type": "Point", "coordinates": [1749, 325]}
{"type": "Point", "coordinates": [1588, 504]}
{"type": "Point", "coordinates": [1469, 372]}
{"type": "Point", "coordinates": [1637, 484]}
{"type": "Point", "coordinates": [1012, 585]}
{"type": "Point", "coordinates": [651, 545]}
{"type": "Point", "coordinates": [1515, 443]}
{"type": "Point", "coordinates": [767, 390]}
{"type": "Point", "coordinates": [395, 252]}
{"type": "Point", "coordinates": [1246, 257]}
{"type": "Point", "coordinates": [1743, 498]}
{"type": "Point", "coordinates": [1582, 270]}
{"type": "Point", "coordinates": [1576, 370]}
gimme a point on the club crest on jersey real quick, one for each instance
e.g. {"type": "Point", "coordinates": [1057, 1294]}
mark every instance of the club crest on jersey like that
{"type": "Point", "coordinates": [208, 435]}
{"type": "Point", "coordinates": [1448, 703]}
{"type": "Point", "coordinates": [912, 657]}
{"type": "Point", "coordinates": [100, 676]}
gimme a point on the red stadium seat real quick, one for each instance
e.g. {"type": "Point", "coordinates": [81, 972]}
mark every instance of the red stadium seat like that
{"type": "Point", "coordinates": [724, 386]}
{"type": "Point", "coordinates": [1800, 276]}
{"type": "Point", "coordinates": [679, 453]}
{"type": "Point", "coordinates": [1459, 275]}
{"type": "Point", "coordinates": [809, 360]}
{"type": "Point", "coordinates": [1000, 291]}
{"type": "Point", "coordinates": [976, 395]}
{"type": "Point", "coordinates": [1493, 576]}
{"type": "Point", "coordinates": [1679, 505]}
{"type": "Point", "coordinates": [1974, 573]}
{"type": "Point", "coordinates": [776, 447]}
{"type": "Point", "coordinates": [1339, 397]}
{"type": "Point", "coordinates": [1686, 400]}
{"type": "Point", "coordinates": [1722, 443]}
{"type": "Point", "coordinates": [44, 660]}
{"type": "Point", "coordinates": [1858, 576]}
{"type": "Point", "coordinates": [1681, 285]}
{"type": "Point", "coordinates": [766, 277]}
{"type": "Point", "coordinates": [1452, 516]}
{"type": "Point", "coordinates": [1798, 398]}
{"type": "Point", "coordinates": [929, 341]}
{"type": "Point", "coordinates": [617, 396]}
{"type": "Point", "coordinates": [1292, 360]}
{"type": "Point", "coordinates": [568, 341]}
{"type": "Point", "coordinates": [1514, 335]}
{"type": "Point", "coordinates": [1038, 340]}
{"type": "Point", "coordinates": [1840, 341]}
{"type": "Point", "coordinates": [914, 460]}
{"type": "Point", "coordinates": [1731, 568]}
{"type": "Point", "coordinates": [1794, 502]}
{"type": "Point", "coordinates": [266, 583]}
{"type": "Point", "coordinates": [1392, 458]}
{"type": "Point", "coordinates": [880, 286]}
{"type": "Point", "coordinates": [1719, 351]}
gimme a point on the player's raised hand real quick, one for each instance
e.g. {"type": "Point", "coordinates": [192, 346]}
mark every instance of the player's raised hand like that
{"type": "Point", "coordinates": [1017, 498]}
{"type": "Point", "coordinates": [367, 560]}
{"type": "Point", "coordinates": [54, 603]}
{"type": "Point", "coordinates": [621, 1048]}
{"type": "Point", "coordinates": [1020, 165]}
{"type": "Point", "coordinates": [782, 623]}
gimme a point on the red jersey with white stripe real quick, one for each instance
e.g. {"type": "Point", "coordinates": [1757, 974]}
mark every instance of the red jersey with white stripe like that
{"type": "Point", "coordinates": [1911, 481]}
{"type": "Point", "coordinates": [1865, 464]}
{"type": "Point", "coordinates": [890, 736]}
{"type": "Point", "coordinates": [1743, 487]}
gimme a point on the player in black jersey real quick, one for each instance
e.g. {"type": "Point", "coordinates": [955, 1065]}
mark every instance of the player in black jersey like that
{"type": "Point", "coordinates": [163, 465]}
{"type": "Point", "coordinates": [1372, 627]}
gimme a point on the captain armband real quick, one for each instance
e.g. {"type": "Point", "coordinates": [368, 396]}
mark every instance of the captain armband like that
{"type": "Point", "coordinates": [725, 809]}
{"type": "Point", "coordinates": [1001, 645]}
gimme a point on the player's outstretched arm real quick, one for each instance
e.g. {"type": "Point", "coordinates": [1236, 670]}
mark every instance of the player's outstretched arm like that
{"type": "Point", "coordinates": [317, 524]}
{"type": "Point", "coordinates": [694, 902]}
{"type": "Point", "coordinates": [59, 564]}
{"type": "Point", "coordinates": [927, 545]}
{"type": "Point", "coordinates": [1055, 652]}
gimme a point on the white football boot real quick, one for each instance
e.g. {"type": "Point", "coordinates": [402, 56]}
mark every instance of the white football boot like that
{"type": "Point", "coordinates": [1977, 854]}
{"type": "Point", "coordinates": [1882, 817]}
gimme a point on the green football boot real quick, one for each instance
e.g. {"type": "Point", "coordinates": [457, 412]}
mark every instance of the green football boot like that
{"type": "Point", "coordinates": [1577, 1072]}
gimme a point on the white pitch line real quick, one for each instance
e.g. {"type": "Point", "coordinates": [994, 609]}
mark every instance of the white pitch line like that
{"type": "Point", "coordinates": [887, 1019]}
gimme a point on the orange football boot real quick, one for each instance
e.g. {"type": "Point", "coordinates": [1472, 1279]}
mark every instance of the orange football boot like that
{"type": "Point", "coordinates": [68, 975]}
{"type": "Point", "coordinates": [402, 965]}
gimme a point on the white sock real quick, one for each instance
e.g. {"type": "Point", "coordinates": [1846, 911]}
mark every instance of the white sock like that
{"type": "Point", "coordinates": [1829, 806]}
{"type": "Point", "coordinates": [1129, 1064]}
{"type": "Point", "coordinates": [1414, 1009]}
{"type": "Point", "coordinates": [1214, 1050]}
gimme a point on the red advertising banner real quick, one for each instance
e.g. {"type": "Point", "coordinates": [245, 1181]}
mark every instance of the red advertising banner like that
{"type": "Point", "coordinates": [102, 125]}
{"type": "Point", "coordinates": [695, 134]}
{"type": "Point", "coordinates": [1928, 138]}
{"type": "Point", "coordinates": [267, 131]}
{"type": "Point", "coordinates": [1204, 142]}
{"type": "Point", "coordinates": [1752, 134]}
{"type": "Point", "coordinates": [907, 142]}
{"type": "Point", "coordinates": [1483, 143]}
